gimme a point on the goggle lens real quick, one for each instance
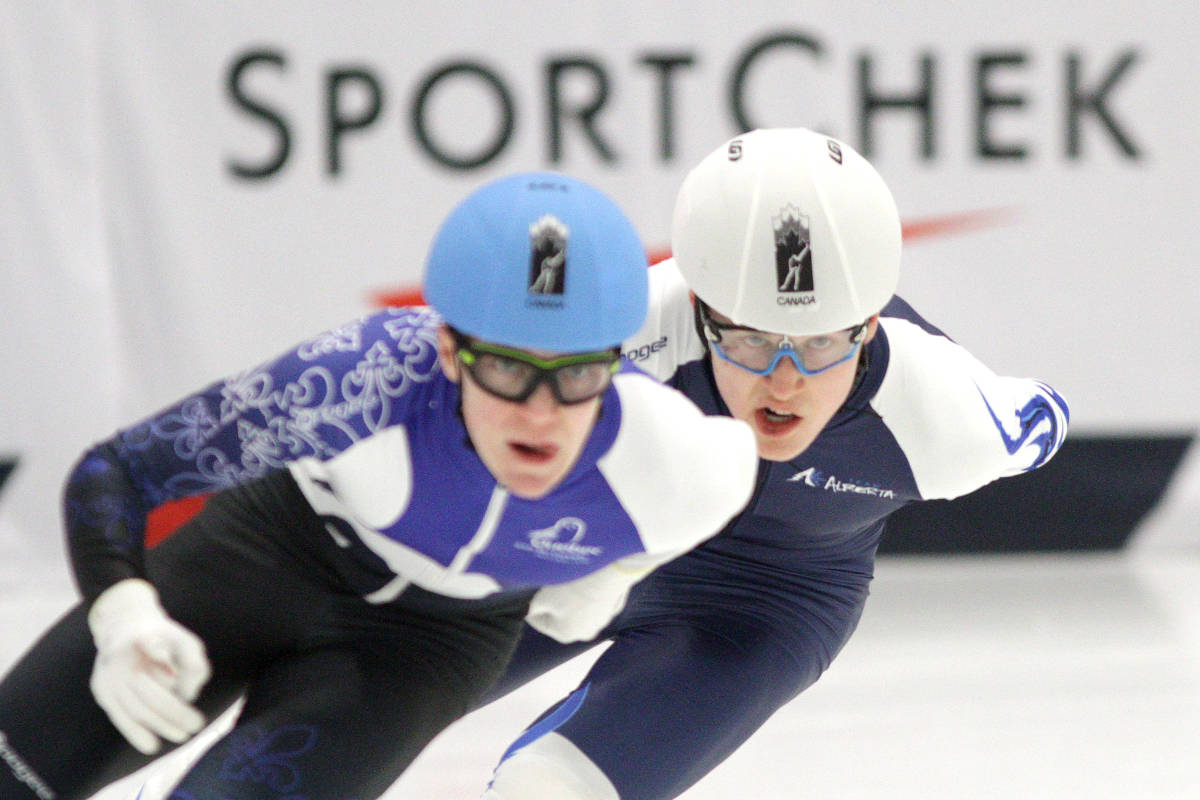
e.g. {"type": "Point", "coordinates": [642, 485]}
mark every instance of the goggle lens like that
{"type": "Point", "coordinates": [760, 352]}
{"type": "Point", "coordinates": [515, 375]}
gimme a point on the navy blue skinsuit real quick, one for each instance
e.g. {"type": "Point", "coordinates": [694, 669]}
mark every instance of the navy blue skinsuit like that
{"type": "Point", "coordinates": [713, 643]}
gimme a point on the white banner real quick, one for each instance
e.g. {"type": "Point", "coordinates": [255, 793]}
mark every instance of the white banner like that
{"type": "Point", "coordinates": [185, 190]}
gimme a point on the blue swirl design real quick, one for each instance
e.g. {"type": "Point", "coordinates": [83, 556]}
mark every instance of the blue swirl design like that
{"type": "Point", "coordinates": [343, 339]}
{"type": "Point", "coordinates": [315, 401]}
{"type": "Point", "coordinates": [1041, 408]}
{"type": "Point", "coordinates": [120, 524]}
{"type": "Point", "coordinates": [268, 757]}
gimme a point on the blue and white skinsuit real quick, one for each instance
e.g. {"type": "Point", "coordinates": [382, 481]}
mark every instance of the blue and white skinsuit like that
{"type": "Point", "coordinates": [358, 576]}
{"type": "Point", "coordinates": [713, 643]}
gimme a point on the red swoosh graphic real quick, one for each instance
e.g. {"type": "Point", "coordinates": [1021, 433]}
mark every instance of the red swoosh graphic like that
{"type": "Point", "coordinates": [949, 224]}
{"type": "Point", "coordinates": [929, 227]}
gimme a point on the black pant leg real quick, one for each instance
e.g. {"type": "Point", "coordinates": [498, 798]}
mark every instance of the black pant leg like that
{"type": "Point", "coordinates": [55, 736]}
{"type": "Point", "coordinates": [345, 719]}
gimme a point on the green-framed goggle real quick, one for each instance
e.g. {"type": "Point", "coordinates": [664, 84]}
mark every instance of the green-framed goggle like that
{"type": "Point", "coordinates": [514, 375]}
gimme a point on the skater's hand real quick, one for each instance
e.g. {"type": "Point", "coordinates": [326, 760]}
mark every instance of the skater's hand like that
{"type": "Point", "coordinates": [148, 668]}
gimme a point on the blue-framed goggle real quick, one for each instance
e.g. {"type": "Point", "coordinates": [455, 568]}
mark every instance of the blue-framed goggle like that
{"type": "Point", "coordinates": [759, 352]}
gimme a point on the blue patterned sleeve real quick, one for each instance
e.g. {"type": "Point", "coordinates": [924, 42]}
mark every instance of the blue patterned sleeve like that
{"type": "Point", "coordinates": [314, 400]}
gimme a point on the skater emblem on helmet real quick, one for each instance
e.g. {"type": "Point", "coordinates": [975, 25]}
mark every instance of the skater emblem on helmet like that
{"type": "Point", "coordinates": [793, 258]}
{"type": "Point", "coordinates": [548, 256]}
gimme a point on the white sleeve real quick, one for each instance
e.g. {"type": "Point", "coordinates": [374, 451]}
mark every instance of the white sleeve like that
{"type": "Point", "coordinates": [680, 475]}
{"type": "Point", "coordinates": [668, 337]}
{"type": "Point", "coordinates": [960, 425]}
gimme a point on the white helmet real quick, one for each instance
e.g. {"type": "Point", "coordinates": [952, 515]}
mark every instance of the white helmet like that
{"type": "Point", "coordinates": [787, 230]}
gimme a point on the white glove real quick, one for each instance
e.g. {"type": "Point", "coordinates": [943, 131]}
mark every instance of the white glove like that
{"type": "Point", "coordinates": [148, 669]}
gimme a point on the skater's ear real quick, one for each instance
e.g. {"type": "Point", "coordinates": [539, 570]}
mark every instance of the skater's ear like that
{"type": "Point", "coordinates": [448, 353]}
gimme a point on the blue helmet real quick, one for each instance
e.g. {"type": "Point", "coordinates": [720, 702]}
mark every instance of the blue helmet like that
{"type": "Point", "coordinates": [539, 261]}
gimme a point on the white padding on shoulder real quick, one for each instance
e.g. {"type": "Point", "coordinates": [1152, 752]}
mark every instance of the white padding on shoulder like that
{"type": "Point", "coordinates": [679, 474]}
{"type": "Point", "coordinates": [959, 424]}
{"type": "Point", "coordinates": [668, 337]}
{"type": "Point", "coordinates": [550, 768]}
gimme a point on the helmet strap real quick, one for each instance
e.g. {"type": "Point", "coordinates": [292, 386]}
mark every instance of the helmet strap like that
{"type": "Point", "coordinates": [698, 320]}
